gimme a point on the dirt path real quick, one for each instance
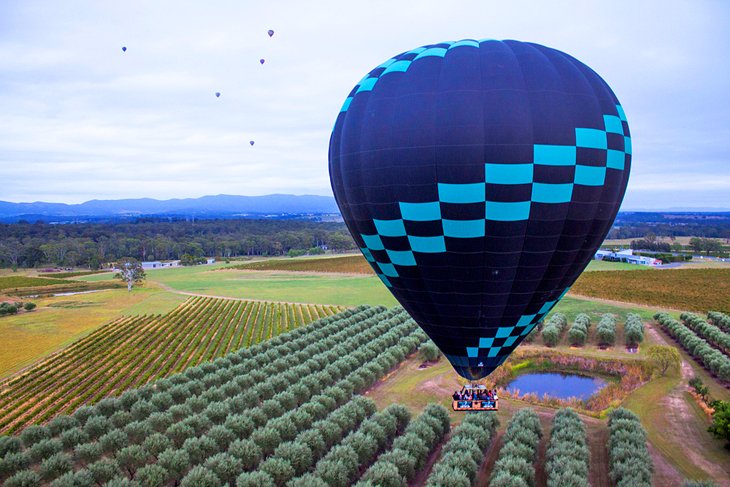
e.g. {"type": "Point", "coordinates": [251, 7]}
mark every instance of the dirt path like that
{"type": "Point", "coordinates": [423, 474]}
{"type": "Point", "coordinates": [680, 420]}
{"type": "Point", "coordinates": [488, 465]}
{"type": "Point", "coordinates": [597, 438]}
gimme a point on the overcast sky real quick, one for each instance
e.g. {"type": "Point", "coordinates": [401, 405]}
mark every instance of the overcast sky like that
{"type": "Point", "coordinates": [80, 119]}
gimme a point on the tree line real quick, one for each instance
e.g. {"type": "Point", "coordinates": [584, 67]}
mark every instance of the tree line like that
{"type": "Point", "coordinates": [94, 244]}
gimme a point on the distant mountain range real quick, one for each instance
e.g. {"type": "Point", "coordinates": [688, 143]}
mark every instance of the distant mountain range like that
{"type": "Point", "coordinates": [219, 206]}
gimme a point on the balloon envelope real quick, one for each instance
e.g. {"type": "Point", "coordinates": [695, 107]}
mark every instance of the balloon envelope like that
{"type": "Point", "coordinates": [251, 142]}
{"type": "Point", "coordinates": [271, 33]}
{"type": "Point", "coordinates": [262, 60]}
{"type": "Point", "coordinates": [478, 178]}
{"type": "Point", "coordinates": [124, 49]}
{"type": "Point", "coordinates": [217, 95]}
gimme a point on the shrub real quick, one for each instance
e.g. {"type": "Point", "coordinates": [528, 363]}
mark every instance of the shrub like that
{"type": "Point", "coordinates": [606, 330]}
{"type": "Point", "coordinates": [225, 466]}
{"type": "Point", "coordinates": [152, 476]}
{"type": "Point", "coordinates": [200, 477]}
{"type": "Point", "coordinates": [429, 352]}
{"type": "Point", "coordinates": [174, 461]}
{"type": "Point", "coordinates": [255, 479]}
{"type": "Point", "coordinates": [103, 470]}
{"type": "Point", "coordinates": [24, 478]}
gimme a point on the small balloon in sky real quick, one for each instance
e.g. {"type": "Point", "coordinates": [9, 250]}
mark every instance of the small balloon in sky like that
{"type": "Point", "coordinates": [217, 94]}
{"type": "Point", "coordinates": [262, 60]}
{"type": "Point", "coordinates": [271, 33]}
{"type": "Point", "coordinates": [124, 48]}
{"type": "Point", "coordinates": [251, 142]}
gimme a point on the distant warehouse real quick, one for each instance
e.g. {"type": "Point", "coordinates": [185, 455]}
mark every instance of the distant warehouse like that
{"type": "Point", "coordinates": [626, 256]}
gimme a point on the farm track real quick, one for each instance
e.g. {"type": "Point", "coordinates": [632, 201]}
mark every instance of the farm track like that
{"type": "Point", "coordinates": [129, 352]}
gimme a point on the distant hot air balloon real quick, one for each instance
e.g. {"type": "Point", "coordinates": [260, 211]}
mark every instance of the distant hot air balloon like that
{"type": "Point", "coordinates": [271, 33]}
{"type": "Point", "coordinates": [251, 142]}
{"type": "Point", "coordinates": [262, 60]}
{"type": "Point", "coordinates": [217, 94]}
{"type": "Point", "coordinates": [124, 48]}
{"type": "Point", "coordinates": [478, 178]}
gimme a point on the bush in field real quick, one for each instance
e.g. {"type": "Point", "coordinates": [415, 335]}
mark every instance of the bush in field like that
{"type": "Point", "coordinates": [463, 454]}
{"type": "Point", "coordinates": [515, 463]}
{"type": "Point", "coordinates": [578, 332]}
{"type": "Point", "coordinates": [567, 457]}
{"type": "Point", "coordinates": [629, 461]}
{"type": "Point", "coordinates": [713, 360]}
{"type": "Point", "coordinates": [633, 330]}
{"type": "Point", "coordinates": [429, 352]}
{"type": "Point", "coordinates": [553, 329]}
{"type": "Point", "coordinates": [606, 330]}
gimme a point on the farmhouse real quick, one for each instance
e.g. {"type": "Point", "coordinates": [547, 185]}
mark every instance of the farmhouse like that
{"type": "Point", "coordinates": [626, 256]}
{"type": "Point", "coordinates": [156, 264]}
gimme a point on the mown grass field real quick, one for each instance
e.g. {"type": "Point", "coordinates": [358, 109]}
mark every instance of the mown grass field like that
{"type": "Point", "coordinates": [131, 351]}
{"type": "Point", "coordinates": [687, 289]}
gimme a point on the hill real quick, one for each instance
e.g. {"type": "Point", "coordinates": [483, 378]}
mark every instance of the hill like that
{"type": "Point", "coordinates": [276, 205]}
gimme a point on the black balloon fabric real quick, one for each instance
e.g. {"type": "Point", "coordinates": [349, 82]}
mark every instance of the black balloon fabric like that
{"type": "Point", "coordinates": [478, 178]}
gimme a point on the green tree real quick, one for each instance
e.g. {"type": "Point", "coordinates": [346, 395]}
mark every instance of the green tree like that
{"type": "Point", "coordinates": [721, 420]}
{"type": "Point", "coordinates": [664, 358]}
{"type": "Point", "coordinates": [130, 271]}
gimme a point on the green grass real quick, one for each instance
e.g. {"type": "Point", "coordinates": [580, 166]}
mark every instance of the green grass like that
{"type": "Point", "coordinates": [645, 402]}
{"type": "Point", "coordinates": [599, 265]}
{"type": "Point", "coordinates": [276, 286]}
{"type": "Point", "coordinates": [14, 282]}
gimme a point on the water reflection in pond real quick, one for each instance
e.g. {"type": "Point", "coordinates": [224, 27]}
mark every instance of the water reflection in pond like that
{"type": "Point", "coordinates": [562, 386]}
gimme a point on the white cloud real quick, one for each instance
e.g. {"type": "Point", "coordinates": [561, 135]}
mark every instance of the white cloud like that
{"type": "Point", "coordinates": [81, 120]}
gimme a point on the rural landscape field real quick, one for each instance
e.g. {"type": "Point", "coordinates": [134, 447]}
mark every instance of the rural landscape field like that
{"type": "Point", "coordinates": [369, 244]}
{"type": "Point", "coordinates": [174, 381]}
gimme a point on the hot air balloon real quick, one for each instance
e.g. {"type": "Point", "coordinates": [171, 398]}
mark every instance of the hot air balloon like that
{"type": "Point", "coordinates": [251, 142]}
{"type": "Point", "coordinates": [271, 33]}
{"type": "Point", "coordinates": [262, 60]}
{"type": "Point", "coordinates": [124, 48]}
{"type": "Point", "coordinates": [478, 178]}
{"type": "Point", "coordinates": [217, 94]}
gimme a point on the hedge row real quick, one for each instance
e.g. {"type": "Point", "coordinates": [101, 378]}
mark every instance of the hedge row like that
{"type": "Point", "coordinates": [721, 320]}
{"type": "Point", "coordinates": [515, 465]}
{"type": "Point", "coordinates": [553, 329]}
{"type": "Point", "coordinates": [578, 332]}
{"type": "Point", "coordinates": [341, 465]}
{"type": "Point", "coordinates": [462, 456]}
{"type": "Point", "coordinates": [606, 330]}
{"type": "Point", "coordinates": [271, 389]}
{"type": "Point", "coordinates": [711, 333]}
{"type": "Point", "coordinates": [567, 457]}
{"type": "Point", "coordinates": [713, 360]}
{"type": "Point", "coordinates": [629, 462]}
{"type": "Point", "coordinates": [633, 330]}
{"type": "Point", "coordinates": [398, 466]}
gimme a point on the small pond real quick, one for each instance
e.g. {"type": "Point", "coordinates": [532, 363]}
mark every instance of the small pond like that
{"type": "Point", "coordinates": [562, 386]}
